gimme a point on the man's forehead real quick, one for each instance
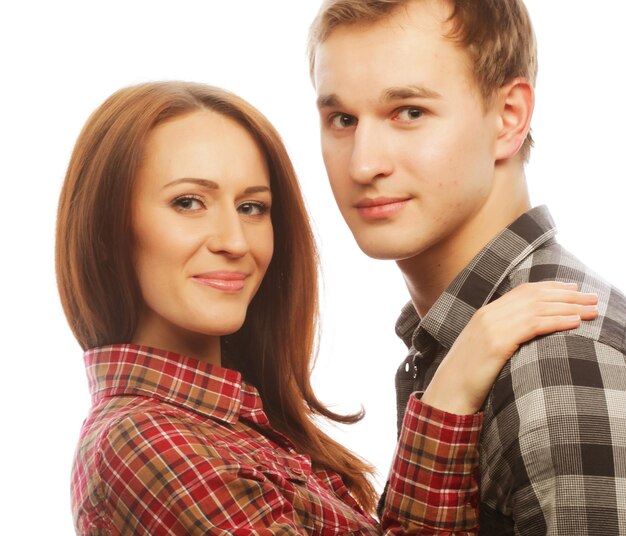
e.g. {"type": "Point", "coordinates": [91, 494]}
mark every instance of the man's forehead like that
{"type": "Point", "coordinates": [403, 57]}
{"type": "Point", "coordinates": [385, 71]}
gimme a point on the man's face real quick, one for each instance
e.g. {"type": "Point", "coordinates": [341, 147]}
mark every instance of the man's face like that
{"type": "Point", "coordinates": [406, 140]}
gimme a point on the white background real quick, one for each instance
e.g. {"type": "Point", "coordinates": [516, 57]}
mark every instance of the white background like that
{"type": "Point", "coordinates": [59, 60]}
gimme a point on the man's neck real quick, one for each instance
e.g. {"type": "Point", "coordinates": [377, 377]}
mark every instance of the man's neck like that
{"type": "Point", "coordinates": [428, 274]}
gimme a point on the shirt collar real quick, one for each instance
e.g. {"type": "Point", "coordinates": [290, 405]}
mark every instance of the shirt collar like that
{"type": "Point", "coordinates": [478, 282]}
{"type": "Point", "coordinates": [212, 391]}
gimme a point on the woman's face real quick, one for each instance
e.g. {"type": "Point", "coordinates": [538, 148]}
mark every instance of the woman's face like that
{"type": "Point", "coordinates": [202, 230]}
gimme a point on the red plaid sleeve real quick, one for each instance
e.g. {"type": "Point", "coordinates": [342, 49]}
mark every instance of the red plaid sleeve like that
{"type": "Point", "coordinates": [433, 486]}
{"type": "Point", "coordinates": [159, 480]}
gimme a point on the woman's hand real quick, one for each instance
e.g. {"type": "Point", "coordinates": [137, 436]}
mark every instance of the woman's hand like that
{"type": "Point", "coordinates": [494, 334]}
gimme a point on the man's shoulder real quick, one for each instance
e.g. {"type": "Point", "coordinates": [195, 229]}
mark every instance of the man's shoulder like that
{"type": "Point", "coordinates": [552, 262]}
{"type": "Point", "coordinates": [550, 378]}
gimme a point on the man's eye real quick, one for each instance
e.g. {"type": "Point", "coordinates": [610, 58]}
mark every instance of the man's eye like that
{"type": "Point", "coordinates": [409, 114]}
{"type": "Point", "coordinates": [187, 203]}
{"type": "Point", "coordinates": [341, 121]}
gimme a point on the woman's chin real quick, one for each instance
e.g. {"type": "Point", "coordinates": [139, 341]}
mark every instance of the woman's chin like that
{"type": "Point", "coordinates": [226, 328]}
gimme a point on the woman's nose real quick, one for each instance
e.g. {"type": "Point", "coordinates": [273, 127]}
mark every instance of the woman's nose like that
{"type": "Point", "coordinates": [228, 237]}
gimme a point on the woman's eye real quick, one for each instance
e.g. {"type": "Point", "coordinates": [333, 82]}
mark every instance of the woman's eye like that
{"type": "Point", "coordinates": [409, 114]}
{"type": "Point", "coordinates": [341, 121]}
{"type": "Point", "coordinates": [253, 209]}
{"type": "Point", "coordinates": [187, 203]}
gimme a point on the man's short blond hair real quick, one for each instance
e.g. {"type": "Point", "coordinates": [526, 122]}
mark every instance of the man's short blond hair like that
{"type": "Point", "coordinates": [497, 35]}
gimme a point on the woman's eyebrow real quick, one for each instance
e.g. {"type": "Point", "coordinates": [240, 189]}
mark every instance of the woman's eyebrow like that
{"type": "Point", "coordinates": [206, 183]}
{"type": "Point", "coordinates": [257, 189]}
{"type": "Point", "coordinates": [212, 185]}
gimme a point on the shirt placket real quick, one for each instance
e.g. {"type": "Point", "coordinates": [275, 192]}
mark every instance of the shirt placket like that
{"type": "Point", "coordinates": [411, 376]}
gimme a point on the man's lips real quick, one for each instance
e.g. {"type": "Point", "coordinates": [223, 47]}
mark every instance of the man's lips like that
{"type": "Point", "coordinates": [222, 280]}
{"type": "Point", "coordinates": [380, 207]}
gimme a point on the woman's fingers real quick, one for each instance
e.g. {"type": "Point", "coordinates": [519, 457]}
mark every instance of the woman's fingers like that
{"type": "Point", "coordinates": [532, 300]}
{"type": "Point", "coordinates": [551, 324]}
{"type": "Point", "coordinates": [528, 311]}
{"type": "Point", "coordinates": [549, 291]}
{"type": "Point", "coordinates": [496, 331]}
{"type": "Point", "coordinates": [589, 312]}
{"type": "Point", "coordinates": [548, 285]}
{"type": "Point", "coordinates": [569, 296]}
{"type": "Point", "coordinates": [586, 312]}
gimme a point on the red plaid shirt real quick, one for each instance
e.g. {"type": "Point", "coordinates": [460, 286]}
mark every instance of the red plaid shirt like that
{"type": "Point", "coordinates": [175, 446]}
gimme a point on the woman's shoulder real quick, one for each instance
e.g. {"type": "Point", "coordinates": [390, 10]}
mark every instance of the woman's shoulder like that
{"type": "Point", "coordinates": [138, 455]}
{"type": "Point", "coordinates": [133, 423]}
{"type": "Point", "coordinates": [126, 442]}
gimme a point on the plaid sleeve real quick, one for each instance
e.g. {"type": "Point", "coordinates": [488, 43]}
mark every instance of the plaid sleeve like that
{"type": "Point", "coordinates": [558, 438]}
{"type": "Point", "coordinates": [157, 479]}
{"type": "Point", "coordinates": [433, 487]}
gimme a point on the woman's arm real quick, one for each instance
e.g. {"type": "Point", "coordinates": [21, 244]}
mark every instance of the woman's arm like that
{"type": "Point", "coordinates": [433, 486]}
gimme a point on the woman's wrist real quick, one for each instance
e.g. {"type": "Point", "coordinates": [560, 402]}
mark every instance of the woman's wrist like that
{"type": "Point", "coordinates": [449, 391]}
{"type": "Point", "coordinates": [449, 402]}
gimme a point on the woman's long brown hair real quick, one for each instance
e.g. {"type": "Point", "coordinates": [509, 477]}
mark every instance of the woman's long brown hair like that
{"type": "Point", "coordinates": [97, 283]}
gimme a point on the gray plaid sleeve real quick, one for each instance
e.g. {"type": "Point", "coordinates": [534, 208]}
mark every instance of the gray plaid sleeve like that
{"type": "Point", "coordinates": [554, 446]}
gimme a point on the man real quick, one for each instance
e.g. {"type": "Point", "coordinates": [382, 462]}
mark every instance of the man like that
{"type": "Point", "coordinates": [425, 110]}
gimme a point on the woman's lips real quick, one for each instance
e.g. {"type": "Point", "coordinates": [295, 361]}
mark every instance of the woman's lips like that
{"type": "Point", "coordinates": [381, 207]}
{"type": "Point", "coordinates": [222, 280]}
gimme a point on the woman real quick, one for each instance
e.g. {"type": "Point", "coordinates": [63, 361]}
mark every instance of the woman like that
{"type": "Point", "coordinates": [187, 271]}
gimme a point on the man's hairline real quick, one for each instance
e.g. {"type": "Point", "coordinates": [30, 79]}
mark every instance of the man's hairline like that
{"type": "Point", "coordinates": [486, 100]}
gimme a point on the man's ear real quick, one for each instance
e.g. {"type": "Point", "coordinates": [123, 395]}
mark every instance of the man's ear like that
{"type": "Point", "coordinates": [515, 102]}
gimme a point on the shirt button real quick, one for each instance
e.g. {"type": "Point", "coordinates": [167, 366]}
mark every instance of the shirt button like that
{"type": "Point", "coordinates": [295, 472]}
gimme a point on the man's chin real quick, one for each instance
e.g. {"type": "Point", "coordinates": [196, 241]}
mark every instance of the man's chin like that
{"type": "Point", "coordinates": [385, 250]}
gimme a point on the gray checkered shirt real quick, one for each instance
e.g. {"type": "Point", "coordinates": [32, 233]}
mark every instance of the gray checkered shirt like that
{"type": "Point", "coordinates": [553, 451]}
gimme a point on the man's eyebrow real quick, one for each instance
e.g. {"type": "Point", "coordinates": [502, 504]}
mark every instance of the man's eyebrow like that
{"type": "Point", "coordinates": [328, 101]}
{"type": "Point", "coordinates": [212, 185]}
{"type": "Point", "coordinates": [409, 92]}
{"type": "Point", "coordinates": [391, 94]}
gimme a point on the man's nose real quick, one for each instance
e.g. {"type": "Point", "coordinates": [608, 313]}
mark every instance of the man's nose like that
{"type": "Point", "coordinates": [370, 159]}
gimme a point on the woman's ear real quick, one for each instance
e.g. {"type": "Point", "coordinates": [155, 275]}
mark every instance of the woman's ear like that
{"type": "Point", "coordinates": [515, 101]}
